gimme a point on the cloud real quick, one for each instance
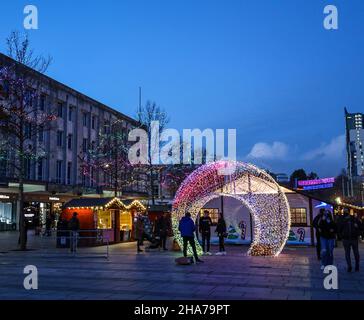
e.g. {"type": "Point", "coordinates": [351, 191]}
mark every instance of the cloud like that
{"type": "Point", "coordinates": [265, 151]}
{"type": "Point", "coordinates": [334, 150]}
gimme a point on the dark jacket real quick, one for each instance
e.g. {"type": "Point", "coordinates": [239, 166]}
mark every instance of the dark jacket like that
{"type": "Point", "coordinates": [350, 228]}
{"type": "Point", "coordinates": [205, 225]}
{"type": "Point", "coordinates": [138, 229]}
{"type": "Point", "coordinates": [74, 224]}
{"type": "Point", "coordinates": [161, 226]}
{"type": "Point", "coordinates": [186, 227]}
{"type": "Point", "coordinates": [327, 229]}
{"type": "Point", "coordinates": [221, 227]}
{"type": "Point", "coordinates": [315, 222]}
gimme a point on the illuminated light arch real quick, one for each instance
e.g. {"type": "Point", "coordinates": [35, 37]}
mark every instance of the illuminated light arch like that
{"type": "Point", "coordinates": [253, 187]}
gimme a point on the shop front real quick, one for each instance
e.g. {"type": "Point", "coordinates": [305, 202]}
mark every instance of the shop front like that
{"type": "Point", "coordinates": [111, 216]}
{"type": "Point", "coordinates": [43, 209]}
{"type": "Point", "coordinates": [8, 207]}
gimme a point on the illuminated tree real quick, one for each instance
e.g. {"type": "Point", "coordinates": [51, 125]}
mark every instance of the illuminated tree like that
{"type": "Point", "coordinates": [21, 118]}
{"type": "Point", "coordinates": [109, 156]}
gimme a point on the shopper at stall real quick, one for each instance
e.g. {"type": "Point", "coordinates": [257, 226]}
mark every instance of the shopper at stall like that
{"type": "Point", "coordinates": [205, 224]}
{"type": "Point", "coordinates": [74, 228]}
{"type": "Point", "coordinates": [139, 231]}
{"type": "Point", "coordinates": [350, 228]}
{"type": "Point", "coordinates": [315, 224]}
{"type": "Point", "coordinates": [161, 230]}
{"type": "Point", "coordinates": [221, 233]}
{"type": "Point", "coordinates": [187, 229]}
{"type": "Point", "coordinates": [328, 230]}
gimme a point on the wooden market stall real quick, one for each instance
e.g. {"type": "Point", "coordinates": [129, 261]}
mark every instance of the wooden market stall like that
{"type": "Point", "coordinates": [113, 217]}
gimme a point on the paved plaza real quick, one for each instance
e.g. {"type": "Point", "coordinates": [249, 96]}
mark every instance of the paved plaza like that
{"type": "Point", "coordinates": [295, 274]}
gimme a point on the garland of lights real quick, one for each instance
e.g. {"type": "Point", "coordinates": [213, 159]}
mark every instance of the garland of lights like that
{"type": "Point", "coordinates": [253, 187]}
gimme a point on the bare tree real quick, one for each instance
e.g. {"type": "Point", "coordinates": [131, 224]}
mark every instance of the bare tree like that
{"type": "Point", "coordinates": [146, 115]}
{"type": "Point", "coordinates": [21, 119]}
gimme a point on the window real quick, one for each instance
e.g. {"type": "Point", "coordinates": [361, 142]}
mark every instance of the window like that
{"type": "Point", "coordinates": [60, 110]}
{"type": "Point", "coordinates": [42, 102]}
{"type": "Point", "coordinates": [299, 217]}
{"type": "Point", "coordinates": [59, 171]}
{"type": "Point", "coordinates": [69, 141]}
{"type": "Point", "coordinates": [70, 113]}
{"type": "Point", "coordinates": [59, 138]}
{"type": "Point", "coordinates": [27, 130]}
{"type": "Point", "coordinates": [213, 214]}
{"type": "Point", "coordinates": [69, 172]}
{"type": "Point", "coordinates": [40, 169]}
{"type": "Point", "coordinates": [104, 220]}
{"type": "Point", "coordinates": [84, 119]}
{"type": "Point", "coordinates": [41, 134]}
{"type": "Point", "coordinates": [27, 168]}
{"type": "Point", "coordinates": [84, 145]}
{"type": "Point", "coordinates": [93, 122]}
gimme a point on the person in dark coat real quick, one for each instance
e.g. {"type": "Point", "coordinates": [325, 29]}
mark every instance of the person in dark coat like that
{"type": "Point", "coordinates": [205, 224]}
{"type": "Point", "coordinates": [350, 228]}
{"type": "Point", "coordinates": [221, 233]}
{"type": "Point", "coordinates": [139, 232]}
{"type": "Point", "coordinates": [74, 228]}
{"type": "Point", "coordinates": [328, 231]}
{"type": "Point", "coordinates": [161, 230]}
{"type": "Point", "coordinates": [315, 224]}
{"type": "Point", "coordinates": [187, 229]}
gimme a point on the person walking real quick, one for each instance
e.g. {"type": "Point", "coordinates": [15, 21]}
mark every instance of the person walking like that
{"type": "Point", "coordinates": [350, 228]}
{"type": "Point", "coordinates": [315, 224]}
{"type": "Point", "coordinates": [221, 233]}
{"type": "Point", "coordinates": [328, 231]}
{"type": "Point", "coordinates": [161, 230]}
{"type": "Point", "coordinates": [205, 224]}
{"type": "Point", "coordinates": [187, 228]}
{"type": "Point", "coordinates": [74, 228]}
{"type": "Point", "coordinates": [139, 231]}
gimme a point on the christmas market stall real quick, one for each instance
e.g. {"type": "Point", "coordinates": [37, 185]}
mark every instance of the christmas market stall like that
{"type": "Point", "coordinates": [112, 217]}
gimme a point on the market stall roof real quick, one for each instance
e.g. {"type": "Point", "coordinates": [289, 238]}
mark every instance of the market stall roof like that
{"type": "Point", "coordinates": [102, 202]}
{"type": "Point", "coordinates": [87, 202]}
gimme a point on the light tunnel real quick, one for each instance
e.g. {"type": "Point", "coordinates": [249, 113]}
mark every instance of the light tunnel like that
{"type": "Point", "coordinates": [253, 187]}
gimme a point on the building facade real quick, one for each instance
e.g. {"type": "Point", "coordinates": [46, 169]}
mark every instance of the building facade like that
{"type": "Point", "coordinates": [354, 143]}
{"type": "Point", "coordinates": [80, 120]}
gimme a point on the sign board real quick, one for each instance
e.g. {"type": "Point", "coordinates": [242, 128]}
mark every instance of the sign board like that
{"type": "Point", "coordinates": [316, 184]}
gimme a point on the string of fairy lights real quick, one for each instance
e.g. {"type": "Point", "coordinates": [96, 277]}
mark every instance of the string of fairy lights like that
{"type": "Point", "coordinates": [253, 187]}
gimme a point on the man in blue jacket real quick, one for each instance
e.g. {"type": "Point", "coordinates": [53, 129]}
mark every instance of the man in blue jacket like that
{"type": "Point", "coordinates": [187, 229]}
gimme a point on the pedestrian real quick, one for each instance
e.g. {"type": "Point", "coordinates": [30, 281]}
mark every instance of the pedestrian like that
{"type": "Point", "coordinates": [73, 227]}
{"type": "Point", "coordinates": [161, 230]}
{"type": "Point", "coordinates": [221, 233]}
{"type": "Point", "coordinates": [187, 228]}
{"type": "Point", "coordinates": [48, 225]}
{"type": "Point", "coordinates": [350, 228]}
{"type": "Point", "coordinates": [139, 231]}
{"type": "Point", "coordinates": [328, 231]}
{"type": "Point", "coordinates": [205, 224]}
{"type": "Point", "coordinates": [315, 224]}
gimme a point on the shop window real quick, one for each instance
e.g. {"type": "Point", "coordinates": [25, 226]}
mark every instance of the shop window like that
{"type": "Point", "coordinates": [104, 220]}
{"type": "Point", "coordinates": [125, 221]}
{"type": "Point", "coordinates": [298, 217]}
{"type": "Point", "coordinates": [213, 213]}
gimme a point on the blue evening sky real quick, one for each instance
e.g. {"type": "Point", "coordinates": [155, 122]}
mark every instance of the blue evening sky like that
{"type": "Point", "coordinates": [265, 67]}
